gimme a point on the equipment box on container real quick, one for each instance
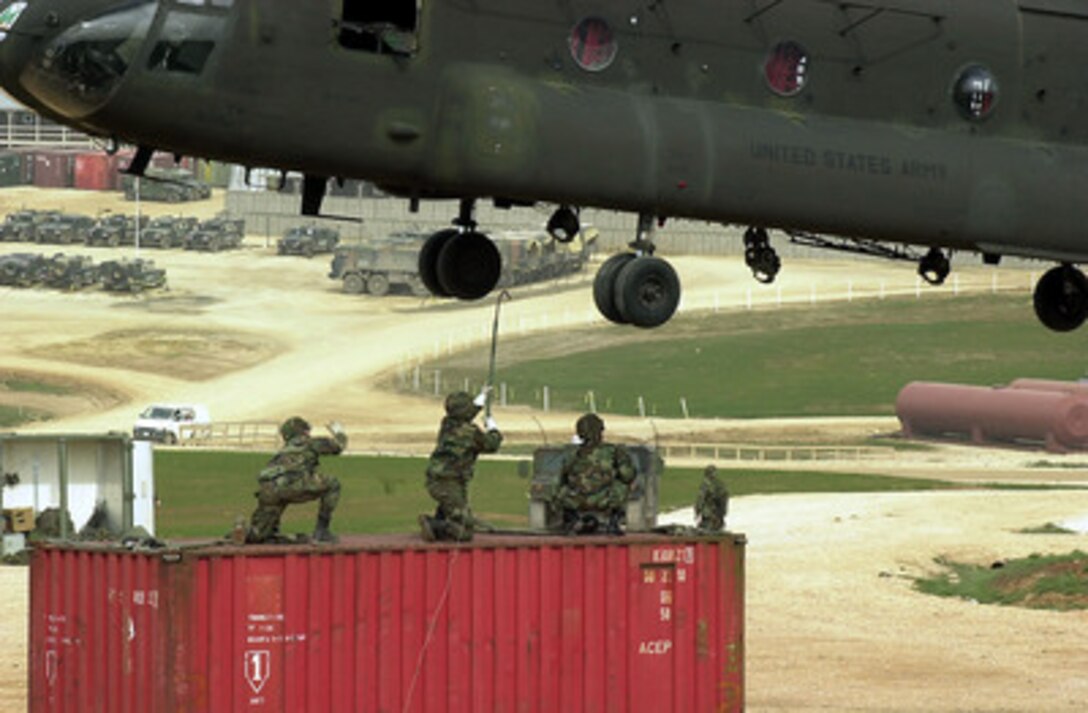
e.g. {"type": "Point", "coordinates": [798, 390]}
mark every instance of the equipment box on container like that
{"type": "Point", "coordinates": [505, 623]}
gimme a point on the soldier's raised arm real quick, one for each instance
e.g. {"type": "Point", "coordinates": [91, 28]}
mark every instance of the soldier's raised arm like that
{"type": "Point", "coordinates": [489, 440]}
{"type": "Point", "coordinates": [624, 467]}
{"type": "Point", "coordinates": [331, 446]}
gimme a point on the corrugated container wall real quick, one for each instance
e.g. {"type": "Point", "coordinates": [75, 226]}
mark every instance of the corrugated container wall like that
{"type": "Point", "coordinates": [519, 624]}
{"type": "Point", "coordinates": [96, 172]}
{"type": "Point", "coordinates": [11, 169]}
{"type": "Point", "coordinates": [54, 169]}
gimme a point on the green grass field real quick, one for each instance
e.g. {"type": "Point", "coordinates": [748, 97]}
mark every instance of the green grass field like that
{"type": "Point", "coordinates": [835, 360]}
{"type": "Point", "coordinates": [202, 492]}
{"type": "Point", "coordinates": [1038, 581]}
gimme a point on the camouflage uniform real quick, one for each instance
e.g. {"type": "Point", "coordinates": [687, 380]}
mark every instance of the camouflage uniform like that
{"type": "Point", "coordinates": [291, 477]}
{"type": "Point", "coordinates": [595, 480]}
{"type": "Point", "coordinates": [460, 442]}
{"type": "Point", "coordinates": [712, 503]}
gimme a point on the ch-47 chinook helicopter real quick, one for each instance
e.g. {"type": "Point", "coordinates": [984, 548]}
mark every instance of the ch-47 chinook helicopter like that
{"type": "Point", "coordinates": [947, 124]}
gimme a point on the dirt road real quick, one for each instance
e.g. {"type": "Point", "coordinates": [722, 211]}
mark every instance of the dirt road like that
{"type": "Point", "coordinates": [832, 622]}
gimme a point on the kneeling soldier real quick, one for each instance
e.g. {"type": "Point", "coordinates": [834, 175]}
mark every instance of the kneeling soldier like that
{"type": "Point", "coordinates": [292, 477]}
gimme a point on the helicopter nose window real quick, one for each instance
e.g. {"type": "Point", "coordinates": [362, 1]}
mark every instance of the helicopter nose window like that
{"type": "Point", "coordinates": [592, 44]}
{"type": "Point", "coordinates": [786, 69]}
{"type": "Point", "coordinates": [975, 92]}
{"type": "Point", "coordinates": [388, 27]}
{"type": "Point", "coordinates": [185, 43]}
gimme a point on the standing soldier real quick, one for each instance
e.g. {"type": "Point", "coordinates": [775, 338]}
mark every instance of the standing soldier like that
{"type": "Point", "coordinates": [292, 477]}
{"type": "Point", "coordinates": [460, 442]}
{"type": "Point", "coordinates": [595, 480]}
{"type": "Point", "coordinates": [712, 503]}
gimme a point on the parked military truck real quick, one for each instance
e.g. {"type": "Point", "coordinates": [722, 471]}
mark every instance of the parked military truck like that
{"type": "Point", "coordinates": [64, 229]}
{"type": "Point", "coordinates": [308, 240]}
{"type": "Point", "coordinates": [20, 269]}
{"type": "Point", "coordinates": [22, 226]}
{"type": "Point", "coordinates": [215, 234]}
{"type": "Point", "coordinates": [534, 256]}
{"type": "Point", "coordinates": [68, 272]}
{"type": "Point", "coordinates": [113, 230]}
{"type": "Point", "coordinates": [642, 501]}
{"type": "Point", "coordinates": [166, 185]}
{"type": "Point", "coordinates": [167, 231]}
{"type": "Point", "coordinates": [380, 266]}
{"type": "Point", "coordinates": [131, 275]}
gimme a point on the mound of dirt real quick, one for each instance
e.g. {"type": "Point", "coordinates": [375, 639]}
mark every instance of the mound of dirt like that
{"type": "Point", "coordinates": [187, 355]}
{"type": "Point", "coordinates": [1061, 585]}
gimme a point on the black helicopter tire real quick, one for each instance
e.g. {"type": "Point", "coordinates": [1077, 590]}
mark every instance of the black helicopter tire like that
{"type": "Point", "coordinates": [647, 292]}
{"type": "Point", "coordinates": [1061, 298]}
{"type": "Point", "coordinates": [469, 266]}
{"type": "Point", "coordinates": [428, 261]}
{"type": "Point", "coordinates": [604, 287]}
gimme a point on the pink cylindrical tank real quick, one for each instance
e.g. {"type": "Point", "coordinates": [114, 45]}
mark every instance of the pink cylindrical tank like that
{"type": "Point", "coordinates": [1057, 419]}
{"type": "Point", "coordinates": [1068, 387]}
{"type": "Point", "coordinates": [507, 623]}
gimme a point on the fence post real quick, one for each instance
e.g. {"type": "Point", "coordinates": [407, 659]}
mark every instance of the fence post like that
{"type": "Point", "coordinates": [641, 407]}
{"type": "Point", "coordinates": [547, 398]}
{"type": "Point", "coordinates": [437, 382]}
{"type": "Point", "coordinates": [684, 407]}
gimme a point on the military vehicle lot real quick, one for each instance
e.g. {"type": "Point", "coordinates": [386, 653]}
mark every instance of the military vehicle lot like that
{"type": "Point", "coordinates": [833, 623]}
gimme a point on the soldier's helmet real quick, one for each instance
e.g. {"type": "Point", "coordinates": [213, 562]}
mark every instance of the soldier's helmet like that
{"type": "Point", "coordinates": [459, 405]}
{"type": "Point", "coordinates": [590, 428]}
{"type": "Point", "coordinates": [710, 472]}
{"type": "Point", "coordinates": [293, 427]}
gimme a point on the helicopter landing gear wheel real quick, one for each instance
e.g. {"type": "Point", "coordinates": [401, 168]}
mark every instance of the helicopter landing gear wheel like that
{"type": "Point", "coordinates": [1061, 298]}
{"type": "Point", "coordinates": [604, 287]}
{"type": "Point", "coordinates": [647, 291]}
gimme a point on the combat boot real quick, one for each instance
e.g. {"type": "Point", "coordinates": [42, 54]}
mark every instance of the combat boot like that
{"type": "Point", "coordinates": [570, 522]}
{"type": "Point", "coordinates": [322, 533]}
{"type": "Point", "coordinates": [426, 529]}
{"type": "Point", "coordinates": [613, 527]}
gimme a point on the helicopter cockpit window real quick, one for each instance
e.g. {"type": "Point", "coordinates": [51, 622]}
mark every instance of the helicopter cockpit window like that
{"type": "Point", "coordinates": [186, 41]}
{"type": "Point", "coordinates": [389, 27]}
{"type": "Point", "coordinates": [975, 92]}
{"type": "Point", "coordinates": [786, 69]}
{"type": "Point", "coordinates": [593, 44]}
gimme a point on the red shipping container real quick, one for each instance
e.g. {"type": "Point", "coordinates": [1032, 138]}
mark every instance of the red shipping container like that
{"type": "Point", "coordinates": [534, 624]}
{"type": "Point", "coordinates": [95, 172]}
{"type": "Point", "coordinates": [54, 169]}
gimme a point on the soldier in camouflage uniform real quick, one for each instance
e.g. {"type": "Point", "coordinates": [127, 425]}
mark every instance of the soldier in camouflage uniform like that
{"type": "Point", "coordinates": [292, 477]}
{"type": "Point", "coordinates": [595, 481]}
{"type": "Point", "coordinates": [712, 503]}
{"type": "Point", "coordinates": [460, 442]}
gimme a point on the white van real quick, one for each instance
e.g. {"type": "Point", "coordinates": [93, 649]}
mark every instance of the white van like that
{"type": "Point", "coordinates": [164, 422]}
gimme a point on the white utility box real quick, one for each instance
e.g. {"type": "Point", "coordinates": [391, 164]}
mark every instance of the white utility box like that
{"type": "Point", "coordinates": [76, 472]}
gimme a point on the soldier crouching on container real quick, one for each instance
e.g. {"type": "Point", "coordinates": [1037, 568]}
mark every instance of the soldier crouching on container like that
{"type": "Point", "coordinates": [460, 442]}
{"type": "Point", "coordinates": [292, 477]}
{"type": "Point", "coordinates": [595, 481]}
{"type": "Point", "coordinates": [712, 503]}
